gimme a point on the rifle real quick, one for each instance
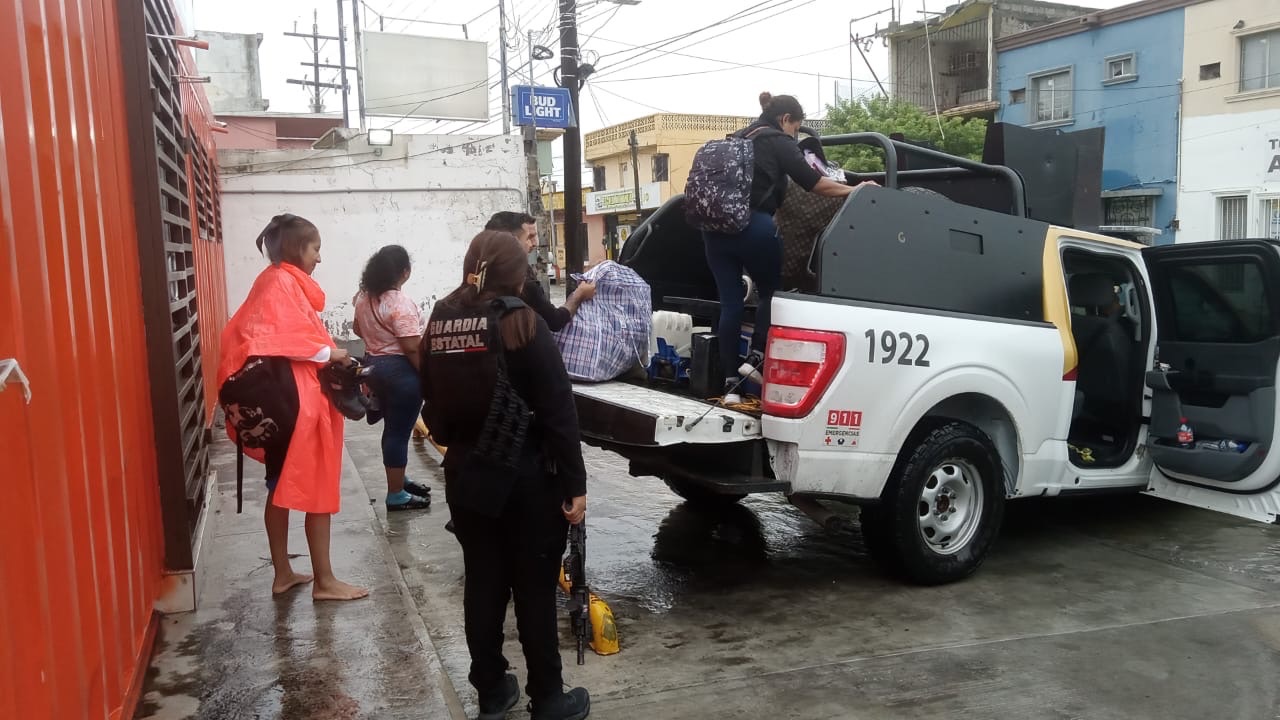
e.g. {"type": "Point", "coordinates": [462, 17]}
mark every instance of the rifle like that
{"type": "Point", "coordinates": [575, 570]}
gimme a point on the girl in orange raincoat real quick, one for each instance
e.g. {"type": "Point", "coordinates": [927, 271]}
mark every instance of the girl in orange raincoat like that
{"type": "Point", "coordinates": [280, 319]}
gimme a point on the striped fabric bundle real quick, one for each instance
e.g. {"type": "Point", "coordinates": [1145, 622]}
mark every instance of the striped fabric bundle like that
{"type": "Point", "coordinates": [610, 333]}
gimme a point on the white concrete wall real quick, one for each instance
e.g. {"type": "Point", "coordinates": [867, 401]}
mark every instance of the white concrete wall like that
{"type": "Point", "coordinates": [1223, 155]}
{"type": "Point", "coordinates": [429, 193]}
{"type": "Point", "coordinates": [231, 62]}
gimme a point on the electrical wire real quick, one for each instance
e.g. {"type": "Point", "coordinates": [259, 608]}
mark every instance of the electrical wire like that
{"type": "Point", "coordinates": [928, 45]}
{"type": "Point", "coordinates": [763, 65]}
{"type": "Point", "coordinates": [635, 102]}
{"type": "Point", "coordinates": [781, 7]}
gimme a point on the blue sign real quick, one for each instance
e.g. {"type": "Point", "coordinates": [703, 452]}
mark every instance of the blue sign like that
{"type": "Point", "coordinates": [544, 107]}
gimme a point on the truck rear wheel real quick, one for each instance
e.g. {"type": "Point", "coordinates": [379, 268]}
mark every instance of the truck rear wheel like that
{"type": "Point", "coordinates": [942, 510]}
{"type": "Point", "coordinates": [700, 497]}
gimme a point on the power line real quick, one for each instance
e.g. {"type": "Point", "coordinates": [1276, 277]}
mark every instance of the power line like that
{"type": "Point", "coordinates": [634, 101]}
{"type": "Point", "coordinates": [733, 66]}
{"type": "Point", "coordinates": [640, 59]}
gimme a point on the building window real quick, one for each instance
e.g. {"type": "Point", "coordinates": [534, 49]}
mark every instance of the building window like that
{"type": "Point", "coordinates": [1017, 96]}
{"type": "Point", "coordinates": [1212, 71]}
{"type": "Point", "coordinates": [1134, 211]}
{"type": "Point", "coordinates": [597, 177]}
{"type": "Point", "coordinates": [661, 171]}
{"type": "Point", "coordinates": [1233, 217]}
{"type": "Point", "coordinates": [1121, 69]}
{"type": "Point", "coordinates": [1271, 218]}
{"type": "Point", "coordinates": [1260, 61]}
{"type": "Point", "coordinates": [622, 175]}
{"type": "Point", "coordinates": [1051, 97]}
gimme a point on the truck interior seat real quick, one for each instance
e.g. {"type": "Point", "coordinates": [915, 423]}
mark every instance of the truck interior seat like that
{"type": "Point", "coordinates": [1103, 349]}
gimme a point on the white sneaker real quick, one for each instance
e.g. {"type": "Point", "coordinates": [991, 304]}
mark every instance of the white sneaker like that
{"type": "Point", "coordinates": [731, 394]}
{"type": "Point", "coordinates": [750, 369]}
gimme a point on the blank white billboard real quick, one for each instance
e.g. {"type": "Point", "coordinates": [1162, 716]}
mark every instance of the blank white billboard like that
{"type": "Point", "coordinates": [425, 77]}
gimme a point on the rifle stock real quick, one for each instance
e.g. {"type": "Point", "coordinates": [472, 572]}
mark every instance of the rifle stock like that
{"type": "Point", "coordinates": [579, 592]}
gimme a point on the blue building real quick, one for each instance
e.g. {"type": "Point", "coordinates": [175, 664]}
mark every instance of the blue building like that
{"type": "Point", "coordinates": [1116, 69]}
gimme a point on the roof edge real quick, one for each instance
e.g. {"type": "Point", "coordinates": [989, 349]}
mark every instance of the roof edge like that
{"type": "Point", "coordinates": [1089, 21]}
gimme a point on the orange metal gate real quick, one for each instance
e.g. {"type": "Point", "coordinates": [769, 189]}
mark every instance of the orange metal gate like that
{"type": "Point", "coordinates": [82, 530]}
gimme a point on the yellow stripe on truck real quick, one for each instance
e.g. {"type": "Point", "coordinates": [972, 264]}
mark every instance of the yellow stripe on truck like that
{"type": "Point", "coordinates": [1056, 308]}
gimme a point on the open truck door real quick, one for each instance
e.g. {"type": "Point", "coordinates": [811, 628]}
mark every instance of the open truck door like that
{"type": "Point", "coordinates": [1217, 308]}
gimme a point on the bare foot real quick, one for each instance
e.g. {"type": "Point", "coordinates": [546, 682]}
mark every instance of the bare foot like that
{"type": "Point", "coordinates": [335, 589]}
{"type": "Point", "coordinates": [288, 582]}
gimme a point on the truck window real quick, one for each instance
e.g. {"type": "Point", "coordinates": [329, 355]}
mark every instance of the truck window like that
{"type": "Point", "coordinates": [1220, 302]}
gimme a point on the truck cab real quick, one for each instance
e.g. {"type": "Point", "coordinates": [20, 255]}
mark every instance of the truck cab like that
{"type": "Point", "coordinates": [954, 352]}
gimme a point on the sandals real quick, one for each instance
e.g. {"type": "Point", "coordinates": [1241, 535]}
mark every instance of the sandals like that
{"type": "Point", "coordinates": [414, 488]}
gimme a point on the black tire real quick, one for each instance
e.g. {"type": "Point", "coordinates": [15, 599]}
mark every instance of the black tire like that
{"type": "Point", "coordinates": [959, 467]}
{"type": "Point", "coordinates": [700, 497]}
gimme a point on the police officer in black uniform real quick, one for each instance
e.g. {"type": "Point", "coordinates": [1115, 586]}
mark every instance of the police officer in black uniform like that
{"type": "Point", "coordinates": [497, 395]}
{"type": "Point", "coordinates": [525, 227]}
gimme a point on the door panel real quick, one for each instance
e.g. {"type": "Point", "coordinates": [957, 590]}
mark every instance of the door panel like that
{"type": "Point", "coordinates": [1218, 330]}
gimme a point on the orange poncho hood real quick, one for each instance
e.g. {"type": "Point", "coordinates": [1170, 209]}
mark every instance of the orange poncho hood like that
{"type": "Point", "coordinates": [280, 318]}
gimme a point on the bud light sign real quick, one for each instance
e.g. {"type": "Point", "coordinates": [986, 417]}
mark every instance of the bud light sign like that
{"type": "Point", "coordinates": [545, 107]}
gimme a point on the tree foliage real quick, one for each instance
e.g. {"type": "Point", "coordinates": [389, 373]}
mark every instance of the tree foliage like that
{"type": "Point", "coordinates": [882, 115]}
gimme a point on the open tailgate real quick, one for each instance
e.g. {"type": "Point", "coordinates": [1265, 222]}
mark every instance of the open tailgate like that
{"type": "Point", "coordinates": [626, 414]}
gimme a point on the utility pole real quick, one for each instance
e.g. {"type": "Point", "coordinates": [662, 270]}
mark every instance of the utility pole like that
{"type": "Point", "coordinates": [317, 87]}
{"type": "Point", "coordinates": [355, 25]}
{"type": "Point", "coordinates": [342, 61]}
{"type": "Point", "coordinates": [635, 167]}
{"type": "Point", "coordinates": [502, 59]}
{"type": "Point", "coordinates": [574, 243]}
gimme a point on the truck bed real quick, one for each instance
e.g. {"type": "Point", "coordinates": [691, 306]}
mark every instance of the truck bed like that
{"type": "Point", "coordinates": [624, 413]}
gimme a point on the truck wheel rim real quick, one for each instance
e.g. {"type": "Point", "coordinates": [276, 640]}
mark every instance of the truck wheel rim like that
{"type": "Point", "coordinates": [950, 508]}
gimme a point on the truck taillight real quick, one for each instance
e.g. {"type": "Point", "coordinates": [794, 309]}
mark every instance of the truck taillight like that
{"type": "Point", "coordinates": [798, 367]}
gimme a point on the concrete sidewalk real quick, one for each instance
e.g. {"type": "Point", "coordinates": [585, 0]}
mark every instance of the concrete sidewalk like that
{"type": "Point", "coordinates": [245, 654]}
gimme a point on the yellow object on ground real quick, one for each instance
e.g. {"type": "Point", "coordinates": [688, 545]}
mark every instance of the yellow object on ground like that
{"type": "Point", "coordinates": [604, 631]}
{"type": "Point", "coordinates": [421, 432]}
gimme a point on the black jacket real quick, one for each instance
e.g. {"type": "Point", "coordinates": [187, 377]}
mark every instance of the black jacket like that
{"type": "Point", "coordinates": [533, 296]}
{"type": "Point", "coordinates": [777, 157]}
{"type": "Point", "coordinates": [458, 375]}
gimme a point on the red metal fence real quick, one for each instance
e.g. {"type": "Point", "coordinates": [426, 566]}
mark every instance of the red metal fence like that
{"type": "Point", "coordinates": [81, 531]}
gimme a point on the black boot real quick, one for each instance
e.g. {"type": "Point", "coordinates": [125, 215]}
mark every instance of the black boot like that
{"type": "Point", "coordinates": [494, 705]}
{"type": "Point", "coordinates": [572, 705]}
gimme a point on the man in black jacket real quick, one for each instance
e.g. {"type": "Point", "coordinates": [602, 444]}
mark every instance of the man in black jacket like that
{"type": "Point", "coordinates": [525, 227]}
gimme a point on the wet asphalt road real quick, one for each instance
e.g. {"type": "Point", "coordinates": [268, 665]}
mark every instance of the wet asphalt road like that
{"type": "Point", "coordinates": [1102, 608]}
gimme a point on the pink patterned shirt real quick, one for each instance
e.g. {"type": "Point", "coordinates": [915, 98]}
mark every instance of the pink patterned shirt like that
{"type": "Point", "coordinates": [396, 317]}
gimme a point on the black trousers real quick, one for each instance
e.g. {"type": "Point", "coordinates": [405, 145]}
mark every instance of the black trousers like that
{"type": "Point", "coordinates": [514, 555]}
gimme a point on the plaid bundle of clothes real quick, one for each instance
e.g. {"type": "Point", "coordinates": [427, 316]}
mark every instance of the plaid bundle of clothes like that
{"type": "Point", "coordinates": [610, 333]}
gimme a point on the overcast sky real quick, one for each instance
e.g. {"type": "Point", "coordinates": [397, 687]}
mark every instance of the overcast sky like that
{"type": "Point", "coordinates": [803, 43]}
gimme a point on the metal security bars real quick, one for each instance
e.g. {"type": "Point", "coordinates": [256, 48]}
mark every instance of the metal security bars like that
{"type": "Point", "coordinates": [1233, 217]}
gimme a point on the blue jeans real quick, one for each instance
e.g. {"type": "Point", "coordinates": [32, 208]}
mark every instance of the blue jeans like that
{"type": "Point", "coordinates": [758, 250]}
{"type": "Point", "coordinates": [396, 384]}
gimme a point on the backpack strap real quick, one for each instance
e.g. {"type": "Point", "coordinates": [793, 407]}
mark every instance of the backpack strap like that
{"type": "Point", "coordinates": [750, 133]}
{"type": "Point", "coordinates": [506, 304]}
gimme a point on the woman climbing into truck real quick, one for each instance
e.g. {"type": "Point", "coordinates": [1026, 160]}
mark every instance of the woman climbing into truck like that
{"type": "Point", "coordinates": [757, 248]}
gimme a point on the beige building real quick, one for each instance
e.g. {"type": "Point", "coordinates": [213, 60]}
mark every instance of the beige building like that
{"type": "Point", "coordinates": [665, 145]}
{"type": "Point", "coordinates": [1229, 179]}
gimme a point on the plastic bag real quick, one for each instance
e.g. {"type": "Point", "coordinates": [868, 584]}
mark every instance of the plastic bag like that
{"type": "Point", "coordinates": [610, 333]}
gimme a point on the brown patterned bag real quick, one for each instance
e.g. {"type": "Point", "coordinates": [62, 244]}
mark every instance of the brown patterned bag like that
{"type": "Point", "coordinates": [801, 219]}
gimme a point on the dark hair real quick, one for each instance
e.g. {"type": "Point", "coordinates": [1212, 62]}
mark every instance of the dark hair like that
{"type": "Point", "coordinates": [508, 221]}
{"type": "Point", "coordinates": [496, 265]}
{"type": "Point", "coordinates": [773, 107]}
{"type": "Point", "coordinates": [384, 270]}
{"type": "Point", "coordinates": [285, 237]}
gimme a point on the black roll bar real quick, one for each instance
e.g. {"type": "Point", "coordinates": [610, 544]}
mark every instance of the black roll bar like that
{"type": "Point", "coordinates": [891, 174]}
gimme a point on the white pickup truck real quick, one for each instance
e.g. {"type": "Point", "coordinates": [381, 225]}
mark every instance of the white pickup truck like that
{"type": "Point", "coordinates": [957, 356]}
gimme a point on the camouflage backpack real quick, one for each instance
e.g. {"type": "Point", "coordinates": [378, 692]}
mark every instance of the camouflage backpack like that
{"type": "Point", "coordinates": [717, 196]}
